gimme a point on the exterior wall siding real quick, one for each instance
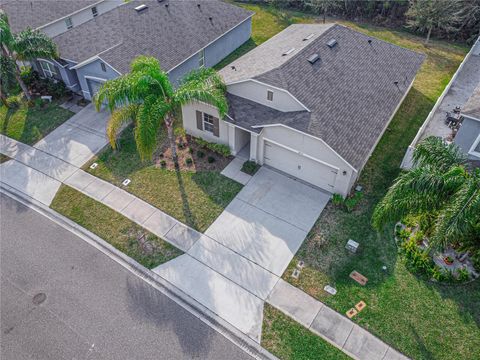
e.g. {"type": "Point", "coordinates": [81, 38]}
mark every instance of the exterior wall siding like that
{"type": "Point", "coordinates": [93, 69]}
{"type": "Point", "coordinates": [59, 26]}
{"type": "Point", "coordinates": [190, 123]}
{"type": "Point", "coordinates": [215, 52]}
{"type": "Point", "coordinates": [257, 92]}
{"type": "Point", "coordinates": [467, 135]}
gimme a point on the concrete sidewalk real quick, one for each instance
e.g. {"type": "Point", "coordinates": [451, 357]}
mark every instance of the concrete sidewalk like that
{"type": "Point", "coordinates": [330, 325]}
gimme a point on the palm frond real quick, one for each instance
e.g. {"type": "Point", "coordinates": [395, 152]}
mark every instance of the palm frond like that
{"type": "Point", "coordinates": [146, 129]}
{"type": "Point", "coordinates": [419, 190]}
{"type": "Point", "coordinates": [434, 151]}
{"type": "Point", "coordinates": [202, 86]}
{"type": "Point", "coordinates": [120, 117]}
{"type": "Point", "coordinates": [6, 35]}
{"type": "Point", "coordinates": [30, 44]}
{"type": "Point", "coordinates": [461, 214]}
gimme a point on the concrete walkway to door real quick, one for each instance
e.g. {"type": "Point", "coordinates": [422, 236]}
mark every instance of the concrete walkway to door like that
{"type": "Point", "coordinates": [250, 244]}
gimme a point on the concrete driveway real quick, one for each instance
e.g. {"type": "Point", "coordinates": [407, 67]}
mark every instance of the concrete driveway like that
{"type": "Point", "coordinates": [39, 170]}
{"type": "Point", "coordinates": [233, 268]}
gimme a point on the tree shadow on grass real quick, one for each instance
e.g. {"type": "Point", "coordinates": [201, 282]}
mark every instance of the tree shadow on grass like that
{"type": "Point", "coordinates": [187, 212]}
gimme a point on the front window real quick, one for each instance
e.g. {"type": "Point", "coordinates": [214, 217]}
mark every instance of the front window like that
{"type": "Point", "coordinates": [69, 23]}
{"type": "Point", "coordinates": [48, 69]}
{"type": "Point", "coordinates": [201, 58]}
{"type": "Point", "coordinates": [104, 68]}
{"type": "Point", "coordinates": [269, 95]}
{"type": "Point", "coordinates": [208, 122]}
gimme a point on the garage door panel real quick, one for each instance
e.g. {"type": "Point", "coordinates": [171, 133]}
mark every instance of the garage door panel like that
{"type": "Point", "coordinates": [300, 166]}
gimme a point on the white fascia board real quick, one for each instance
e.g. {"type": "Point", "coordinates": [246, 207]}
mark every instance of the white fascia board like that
{"type": "Point", "coordinates": [210, 43]}
{"type": "Point", "coordinates": [271, 87]}
{"type": "Point", "coordinates": [311, 136]}
{"type": "Point", "coordinates": [88, 77]}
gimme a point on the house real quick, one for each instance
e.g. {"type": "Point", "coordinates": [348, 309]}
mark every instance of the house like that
{"type": "Point", "coordinates": [97, 40]}
{"type": "Point", "coordinates": [468, 137]}
{"type": "Point", "coordinates": [462, 86]}
{"type": "Point", "coordinates": [312, 102]}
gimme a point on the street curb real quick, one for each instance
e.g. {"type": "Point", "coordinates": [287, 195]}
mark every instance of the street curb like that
{"type": "Point", "coordinates": [188, 303]}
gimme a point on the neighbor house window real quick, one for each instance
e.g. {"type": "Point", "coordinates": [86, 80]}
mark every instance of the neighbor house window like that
{"type": "Point", "coordinates": [49, 70]}
{"type": "Point", "coordinates": [201, 58]}
{"type": "Point", "coordinates": [104, 68]}
{"type": "Point", "coordinates": [69, 23]}
{"type": "Point", "coordinates": [94, 11]}
{"type": "Point", "coordinates": [269, 95]}
{"type": "Point", "coordinates": [208, 123]}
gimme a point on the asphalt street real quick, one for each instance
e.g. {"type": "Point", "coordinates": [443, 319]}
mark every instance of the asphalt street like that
{"type": "Point", "coordinates": [61, 298]}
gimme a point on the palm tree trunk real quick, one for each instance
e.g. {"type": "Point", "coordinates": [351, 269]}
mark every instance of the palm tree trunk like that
{"type": "Point", "coordinates": [171, 139]}
{"type": "Point", "coordinates": [21, 83]}
{"type": "Point", "coordinates": [324, 15]}
{"type": "Point", "coordinates": [428, 35]}
{"type": "Point", "coordinates": [3, 99]}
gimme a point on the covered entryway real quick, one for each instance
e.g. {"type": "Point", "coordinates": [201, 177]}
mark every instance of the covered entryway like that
{"type": "Point", "coordinates": [300, 166]}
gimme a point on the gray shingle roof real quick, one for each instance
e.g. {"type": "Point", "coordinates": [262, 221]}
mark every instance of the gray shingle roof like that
{"type": "Point", "coordinates": [350, 91]}
{"type": "Point", "coordinates": [170, 34]}
{"type": "Point", "coordinates": [35, 13]}
{"type": "Point", "coordinates": [472, 106]}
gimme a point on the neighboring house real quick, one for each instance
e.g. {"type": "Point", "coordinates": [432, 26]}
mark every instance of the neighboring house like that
{"type": "Point", "coordinates": [313, 102]}
{"type": "Point", "coordinates": [468, 137]}
{"type": "Point", "coordinates": [182, 35]}
{"type": "Point", "coordinates": [455, 95]}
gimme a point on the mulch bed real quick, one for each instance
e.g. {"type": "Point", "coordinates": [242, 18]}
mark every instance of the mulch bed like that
{"type": "Point", "coordinates": [187, 148]}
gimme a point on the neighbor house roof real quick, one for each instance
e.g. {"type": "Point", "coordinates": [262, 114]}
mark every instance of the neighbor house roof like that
{"type": "Point", "coordinates": [170, 33]}
{"type": "Point", "coordinates": [472, 106]}
{"type": "Point", "coordinates": [36, 13]}
{"type": "Point", "coordinates": [351, 91]}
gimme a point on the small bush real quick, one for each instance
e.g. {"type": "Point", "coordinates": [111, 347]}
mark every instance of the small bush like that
{"type": "Point", "coordinates": [189, 161]}
{"type": "Point", "coordinates": [200, 154]}
{"type": "Point", "coordinates": [163, 163]}
{"type": "Point", "coordinates": [250, 167]}
{"type": "Point", "coordinates": [29, 76]}
{"type": "Point", "coordinates": [437, 273]}
{"type": "Point", "coordinates": [220, 149]}
{"type": "Point", "coordinates": [210, 159]}
{"type": "Point", "coordinates": [352, 201]}
{"type": "Point", "coordinates": [404, 234]}
{"type": "Point", "coordinates": [417, 259]}
{"type": "Point", "coordinates": [463, 274]}
{"type": "Point", "coordinates": [337, 200]}
{"type": "Point", "coordinates": [181, 145]}
{"type": "Point", "coordinates": [38, 102]}
{"type": "Point", "coordinates": [418, 237]}
{"type": "Point", "coordinates": [179, 132]}
{"type": "Point", "coordinates": [190, 150]}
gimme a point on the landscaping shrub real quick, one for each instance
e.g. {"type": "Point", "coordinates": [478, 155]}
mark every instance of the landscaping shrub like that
{"type": "Point", "coordinates": [163, 163]}
{"type": "Point", "coordinates": [190, 150]}
{"type": "Point", "coordinates": [463, 274]}
{"type": "Point", "coordinates": [200, 154]}
{"type": "Point", "coordinates": [189, 161]}
{"type": "Point", "coordinates": [220, 149]}
{"type": "Point", "coordinates": [417, 259]}
{"type": "Point", "coordinates": [210, 159]}
{"type": "Point", "coordinates": [347, 204]}
{"type": "Point", "coordinates": [250, 167]}
{"type": "Point", "coordinates": [29, 76]}
{"type": "Point", "coordinates": [180, 132]}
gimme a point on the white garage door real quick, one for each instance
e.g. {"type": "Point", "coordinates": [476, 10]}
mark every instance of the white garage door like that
{"type": "Point", "coordinates": [93, 86]}
{"type": "Point", "coordinates": [300, 166]}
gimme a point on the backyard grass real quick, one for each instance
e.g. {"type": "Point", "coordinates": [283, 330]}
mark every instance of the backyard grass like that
{"type": "Point", "coordinates": [30, 124]}
{"type": "Point", "coordinates": [423, 320]}
{"type": "Point", "coordinates": [195, 198]}
{"type": "Point", "coordinates": [114, 228]}
{"type": "Point", "coordinates": [287, 339]}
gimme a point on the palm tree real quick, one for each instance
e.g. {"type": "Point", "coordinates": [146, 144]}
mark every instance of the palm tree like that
{"type": "Point", "coordinates": [146, 96]}
{"type": "Point", "coordinates": [441, 185]}
{"type": "Point", "coordinates": [26, 45]}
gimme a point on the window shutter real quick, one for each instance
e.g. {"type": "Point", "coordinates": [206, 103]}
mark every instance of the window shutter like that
{"type": "Point", "coordinates": [216, 127]}
{"type": "Point", "coordinates": [199, 120]}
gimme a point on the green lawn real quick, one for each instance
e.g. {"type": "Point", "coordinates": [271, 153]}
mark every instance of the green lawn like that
{"type": "Point", "coordinates": [112, 227]}
{"type": "Point", "coordinates": [287, 339]}
{"type": "Point", "coordinates": [195, 198]}
{"type": "Point", "coordinates": [30, 124]}
{"type": "Point", "coordinates": [423, 320]}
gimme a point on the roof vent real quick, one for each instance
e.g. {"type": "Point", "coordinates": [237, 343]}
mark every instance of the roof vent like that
{"type": "Point", "coordinates": [141, 7]}
{"type": "Point", "coordinates": [331, 43]}
{"type": "Point", "coordinates": [313, 58]}
{"type": "Point", "coordinates": [308, 37]}
{"type": "Point", "coordinates": [288, 52]}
